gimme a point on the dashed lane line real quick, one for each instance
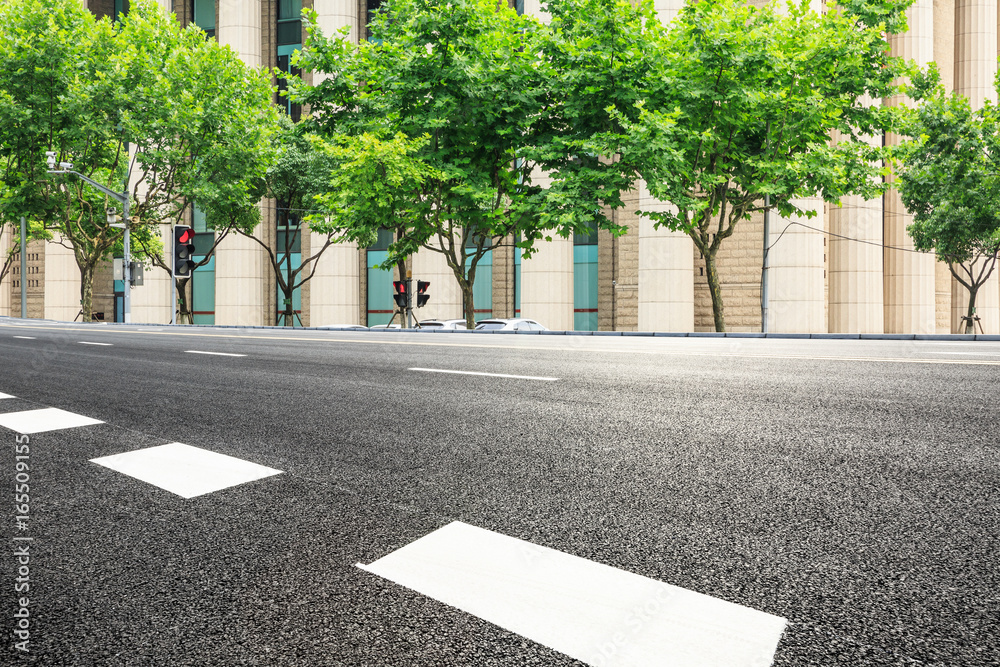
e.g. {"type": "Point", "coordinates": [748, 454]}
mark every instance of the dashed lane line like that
{"type": "Point", "coordinates": [87, 342]}
{"type": "Point", "coordinates": [216, 354]}
{"type": "Point", "coordinates": [493, 375]}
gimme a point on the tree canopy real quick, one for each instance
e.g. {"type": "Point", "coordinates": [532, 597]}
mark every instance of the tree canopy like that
{"type": "Point", "coordinates": [741, 105]}
{"type": "Point", "coordinates": [948, 177]}
{"type": "Point", "coordinates": [451, 129]}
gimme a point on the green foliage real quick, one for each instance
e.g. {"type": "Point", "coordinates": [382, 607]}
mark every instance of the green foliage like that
{"type": "Point", "coordinates": [445, 122]}
{"type": "Point", "coordinates": [949, 178]}
{"type": "Point", "coordinates": [140, 105]}
{"type": "Point", "coordinates": [741, 105]}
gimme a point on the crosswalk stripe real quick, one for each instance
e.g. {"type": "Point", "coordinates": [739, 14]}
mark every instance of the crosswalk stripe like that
{"type": "Point", "coordinates": [185, 470]}
{"type": "Point", "coordinates": [46, 419]}
{"type": "Point", "coordinates": [591, 612]}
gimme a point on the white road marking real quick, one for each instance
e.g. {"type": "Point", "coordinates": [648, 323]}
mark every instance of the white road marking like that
{"type": "Point", "coordinates": [47, 419]}
{"type": "Point", "coordinates": [26, 337]}
{"type": "Point", "coordinates": [185, 470]}
{"type": "Point", "coordinates": [217, 354]}
{"type": "Point", "coordinates": [3, 396]}
{"type": "Point", "coordinates": [492, 375]}
{"type": "Point", "coordinates": [591, 612]}
{"type": "Point", "coordinates": [84, 342]}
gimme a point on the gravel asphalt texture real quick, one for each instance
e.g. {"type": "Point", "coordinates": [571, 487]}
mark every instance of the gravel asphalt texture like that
{"type": "Point", "coordinates": [851, 487]}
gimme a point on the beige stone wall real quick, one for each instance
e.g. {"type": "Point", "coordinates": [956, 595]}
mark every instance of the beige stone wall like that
{"type": "Point", "coordinates": [446, 296]}
{"type": "Point", "coordinates": [61, 283]}
{"type": "Point", "coordinates": [665, 273]}
{"type": "Point", "coordinates": [547, 284]}
{"type": "Point", "coordinates": [7, 285]}
{"type": "Point", "coordinates": [739, 262]}
{"type": "Point", "coordinates": [503, 279]}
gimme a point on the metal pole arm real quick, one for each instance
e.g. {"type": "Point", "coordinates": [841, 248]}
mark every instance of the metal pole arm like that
{"type": "Point", "coordinates": [117, 196]}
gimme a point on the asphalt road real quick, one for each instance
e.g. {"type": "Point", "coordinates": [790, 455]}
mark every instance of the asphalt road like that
{"type": "Point", "coordinates": [850, 487]}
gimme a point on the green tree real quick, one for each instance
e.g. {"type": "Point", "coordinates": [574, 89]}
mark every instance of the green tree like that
{"type": "Point", "coordinates": [742, 103]}
{"type": "Point", "coordinates": [140, 106]}
{"type": "Point", "coordinates": [948, 177]}
{"type": "Point", "coordinates": [442, 126]}
{"type": "Point", "coordinates": [300, 171]}
{"type": "Point", "coordinates": [202, 126]}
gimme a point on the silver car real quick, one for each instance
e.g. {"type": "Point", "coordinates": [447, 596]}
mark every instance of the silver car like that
{"type": "Point", "coordinates": [442, 324]}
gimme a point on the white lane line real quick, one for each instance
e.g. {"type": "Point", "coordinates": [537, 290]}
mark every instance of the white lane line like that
{"type": "Point", "coordinates": [47, 419]}
{"type": "Point", "coordinates": [26, 337]}
{"type": "Point", "coordinates": [185, 470]}
{"type": "Point", "coordinates": [591, 612]}
{"type": "Point", "coordinates": [85, 342]}
{"type": "Point", "coordinates": [492, 375]}
{"type": "Point", "coordinates": [216, 354]}
{"type": "Point", "coordinates": [3, 396]}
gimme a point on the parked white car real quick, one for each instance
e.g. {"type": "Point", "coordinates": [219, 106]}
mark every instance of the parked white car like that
{"type": "Point", "coordinates": [514, 324]}
{"type": "Point", "coordinates": [443, 324]}
{"type": "Point", "coordinates": [385, 326]}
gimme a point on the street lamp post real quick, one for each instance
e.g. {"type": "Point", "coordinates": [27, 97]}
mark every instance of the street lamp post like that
{"type": "Point", "coordinates": [123, 199]}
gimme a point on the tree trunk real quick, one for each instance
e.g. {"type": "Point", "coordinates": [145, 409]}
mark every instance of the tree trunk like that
{"type": "Point", "coordinates": [87, 293]}
{"type": "Point", "coordinates": [970, 325]}
{"type": "Point", "coordinates": [185, 315]}
{"type": "Point", "coordinates": [289, 313]}
{"type": "Point", "coordinates": [469, 304]}
{"type": "Point", "coordinates": [712, 274]}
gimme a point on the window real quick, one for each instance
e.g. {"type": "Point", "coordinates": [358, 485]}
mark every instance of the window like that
{"type": "Point", "coordinates": [121, 8]}
{"type": "Point", "coordinates": [202, 304]}
{"type": "Point", "coordinates": [585, 279]}
{"type": "Point", "coordinates": [288, 253]}
{"type": "Point", "coordinates": [482, 289]}
{"type": "Point", "coordinates": [290, 22]}
{"type": "Point", "coordinates": [371, 7]}
{"type": "Point", "coordinates": [204, 15]}
{"type": "Point", "coordinates": [285, 65]}
{"type": "Point", "coordinates": [380, 303]}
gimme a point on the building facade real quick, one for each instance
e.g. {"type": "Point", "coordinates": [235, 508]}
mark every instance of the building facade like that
{"type": "Point", "coordinates": [850, 269]}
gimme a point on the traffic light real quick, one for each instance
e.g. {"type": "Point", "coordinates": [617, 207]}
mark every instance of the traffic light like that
{"type": "Point", "coordinates": [400, 297]}
{"type": "Point", "coordinates": [422, 295]}
{"type": "Point", "coordinates": [183, 251]}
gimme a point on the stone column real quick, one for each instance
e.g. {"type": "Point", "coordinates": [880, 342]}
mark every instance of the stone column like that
{"type": "Point", "coordinates": [944, 56]}
{"type": "Point", "coordinates": [666, 273]}
{"type": "Point", "coordinates": [796, 284]}
{"type": "Point", "coordinates": [335, 294]}
{"type": "Point", "coordinates": [332, 15]}
{"type": "Point", "coordinates": [975, 69]}
{"type": "Point", "coordinates": [446, 296]}
{"type": "Point", "coordinates": [241, 270]}
{"type": "Point", "coordinates": [909, 276]}
{"type": "Point", "coordinates": [547, 284]}
{"type": "Point", "coordinates": [855, 267]}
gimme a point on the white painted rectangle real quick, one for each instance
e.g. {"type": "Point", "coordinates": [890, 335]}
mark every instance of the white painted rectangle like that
{"type": "Point", "coordinates": [492, 375]}
{"type": "Point", "coordinates": [215, 354]}
{"type": "Point", "coordinates": [185, 470]}
{"type": "Point", "coordinates": [3, 396]}
{"type": "Point", "coordinates": [47, 419]}
{"type": "Point", "coordinates": [595, 613]}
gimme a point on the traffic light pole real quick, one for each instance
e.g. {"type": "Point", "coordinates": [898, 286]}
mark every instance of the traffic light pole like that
{"type": "Point", "coordinates": [173, 288]}
{"type": "Point", "coordinates": [409, 300]}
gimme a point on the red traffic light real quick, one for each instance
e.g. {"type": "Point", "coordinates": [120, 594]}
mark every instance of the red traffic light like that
{"type": "Point", "coordinates": [183, 251]}
{"type": "Point", "coordinates": [399, 286]}
{"type": "Point", "coordinates": [185, 235]}
{"type": "Point", "coordinates": [422, 286]}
